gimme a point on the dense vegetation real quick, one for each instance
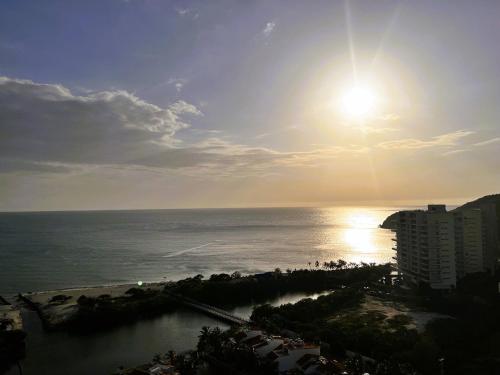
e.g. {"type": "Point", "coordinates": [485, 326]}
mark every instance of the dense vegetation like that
{"type": "Point", "coordinates": [334, 321]}
{"type": "Point", "coordinates": [104, 311]}
{"type": "Point", "coordinates": [466, 343]}
{"type": "Point", "coordinates": [220, 290]}
{"type": "Point", "coordinates": [305, 314]}
{"type": "Point", "coordinates": [470, 342]}
{"type": "Point", "coordinates": [225, 289]}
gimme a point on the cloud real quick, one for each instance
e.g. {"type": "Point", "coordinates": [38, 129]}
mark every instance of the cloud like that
{"type": "Point", "coordinates": [13, 165]}
{"type": "Point", "coordinates": [45, 128]}
{"type": "Point", "coordinates": [47, 123]}
{"type": "Point", "coordinates": [183, 11]}
{"type": "Point", "coordinates": [389, 117]}
{"type": "Point", "coordinates": [178, 83]}
{"type": "Point", "coordinates": [449, 139]}
{"type": "Point", "coordinates": [376, 130]}
{"type": "Point", "coordinates": [454, 152]}
{"type": "Point", "coordinates": [218, 157]}
{"type": "Point", "coordinates": [269, 28]}
{"type": "Point", "coordinates": [187, 12]}
{"type": "Point", "coordinates": [181, 107]}
{"type": "Point", "coordinates": [285, 129]}
{"type": "Point", "coordinates": [473, 146]}
{"type": "Point", "coordinates": [487, 142]}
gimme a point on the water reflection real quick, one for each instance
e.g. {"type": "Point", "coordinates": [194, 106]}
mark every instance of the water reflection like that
{"type": "Point", "coordinates": [361, 237]}
{"type": "Point", "coordinates": [358, 234]}
{"type": "Point", "coordinates": [246, 310]}
{"type": "Point", "coordinates": [359, 240]}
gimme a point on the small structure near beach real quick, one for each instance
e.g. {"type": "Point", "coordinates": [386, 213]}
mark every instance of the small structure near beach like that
{"type": "Point", "coordinates": [288, 354]}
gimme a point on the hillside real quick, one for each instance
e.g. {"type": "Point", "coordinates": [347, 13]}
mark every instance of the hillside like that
{"type": "Point", "coordinates": [478, 203]}
{"type": "Point", "coordinates": [390, 221]}
{"type": "Point", "coordinates": [484, 201]}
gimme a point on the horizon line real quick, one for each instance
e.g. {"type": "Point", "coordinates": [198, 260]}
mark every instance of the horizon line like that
{"type": "Point", "coordinates": [374, 203]}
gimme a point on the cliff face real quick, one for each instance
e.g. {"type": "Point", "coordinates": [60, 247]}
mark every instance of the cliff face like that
{"type": "Point", "coordinates": [494, 199]}
{"type": "Point", "coordinates": [390, 221]}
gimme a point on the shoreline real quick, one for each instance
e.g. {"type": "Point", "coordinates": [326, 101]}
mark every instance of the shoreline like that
{"type": "Point", "coordinates": [76, 305]}
{"type": "Point", "coordinates": [14, 295]}
{"type": "Point", "coordinates": [54, 314]}
{"type": "Point", "coordinates": [103, 286]}
{"type": "Point", "coordinates": [131, 284]}
{"type": "Point", "coordinates": [119, 284]}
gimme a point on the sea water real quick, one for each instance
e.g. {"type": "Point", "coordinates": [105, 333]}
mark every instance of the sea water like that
{"type": "Point", "coordinates": [50, 250]}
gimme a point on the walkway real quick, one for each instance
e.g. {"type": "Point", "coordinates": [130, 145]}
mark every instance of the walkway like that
{"type": "Point", "coordinates": [211, 310]}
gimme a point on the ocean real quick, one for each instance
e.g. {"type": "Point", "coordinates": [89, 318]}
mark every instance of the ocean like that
{"type": "Point", "coordinates": [51, 250]}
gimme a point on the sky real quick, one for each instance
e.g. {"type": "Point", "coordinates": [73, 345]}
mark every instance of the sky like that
{"type": "Point", "coordinates": [115, 104]}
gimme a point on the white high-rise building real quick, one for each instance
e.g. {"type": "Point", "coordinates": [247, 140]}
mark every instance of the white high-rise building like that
{"type": "Point", "coordinates": [438, 247]}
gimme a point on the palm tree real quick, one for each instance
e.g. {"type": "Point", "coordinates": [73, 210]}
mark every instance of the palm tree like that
{"type": "Point", "coordinates": [216, 341]}
{"type": "Point", "coordinates": [211, 341]}
{"type": "Point", "coordinates": [203, 338]}
{"type": "Point", "coordinates": [341, 264]}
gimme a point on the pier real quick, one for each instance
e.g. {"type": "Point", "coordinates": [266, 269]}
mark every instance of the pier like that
{"type": "Point", "coordinates": [212, 311]}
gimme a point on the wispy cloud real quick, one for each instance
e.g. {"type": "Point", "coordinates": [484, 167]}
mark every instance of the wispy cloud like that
{"type": "Point", "coordinates": [474, 146]}
{"type": "Point", "coordinates": [187, 12]}
{"type": "Point", "coordinates": [268, 28]}
{"type": "Point", "coordinates": [455, 152]}
{"type": "Point", "coordinates": [448, 139]}
{"type": "Point", "coordinates": [487, 142]}
{"type": "Point", "coordinates": [389, 117]}
{"type": "Point", "coordinates": [277, 131]}
{"type": "Point", "coordinates": [178, 83]}
{"type": "Point", "coordinates": [377, 130]}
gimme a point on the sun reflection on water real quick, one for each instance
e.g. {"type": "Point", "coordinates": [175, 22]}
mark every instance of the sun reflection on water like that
{"type": "Point", "coordinates": [356, 231]}
{"type": "Point", "coordinates": [360, 240]}
{"type": "Point", "coordinates": [360, 237]}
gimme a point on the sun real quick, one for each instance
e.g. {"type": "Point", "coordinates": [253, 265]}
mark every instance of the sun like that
{"type": "Point", "coordinates": [358, 103]}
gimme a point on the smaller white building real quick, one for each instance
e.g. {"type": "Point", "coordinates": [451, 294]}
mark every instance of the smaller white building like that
{"type": "Point", "coordinates": [289, 354]}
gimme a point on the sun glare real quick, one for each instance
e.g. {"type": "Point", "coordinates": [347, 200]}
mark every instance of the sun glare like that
{"type": "Point", "coordinates": [358, 103]}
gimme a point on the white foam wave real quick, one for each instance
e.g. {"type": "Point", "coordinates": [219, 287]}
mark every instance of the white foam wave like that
{"type": "Point", "coordinates": [180, 252]}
